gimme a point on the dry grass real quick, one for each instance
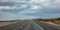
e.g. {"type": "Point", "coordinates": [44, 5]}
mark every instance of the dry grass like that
{"type": "Point", "coordinates": [57, 22]}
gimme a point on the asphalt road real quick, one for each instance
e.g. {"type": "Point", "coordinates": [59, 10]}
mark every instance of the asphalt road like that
{"type": "Point", "coordinates": [30, 25]}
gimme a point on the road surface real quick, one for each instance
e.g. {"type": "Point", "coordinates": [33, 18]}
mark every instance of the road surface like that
{"type": "Point", "coordinates": [29, 25]}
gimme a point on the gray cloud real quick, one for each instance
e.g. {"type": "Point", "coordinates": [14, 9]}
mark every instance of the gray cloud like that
{"type": "Point", "coordinates": [33, 9]}
{"type": "Point", "coordinates": [51, 11]}
{"type": "Point", "coordinates": [7, 3]}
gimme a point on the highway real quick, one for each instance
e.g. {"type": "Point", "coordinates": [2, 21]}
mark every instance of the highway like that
{"type": "Point", "coordinates": [30, 25]}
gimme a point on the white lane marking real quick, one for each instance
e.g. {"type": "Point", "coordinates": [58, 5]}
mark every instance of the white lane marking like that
{"type": "Point", "coordinates": [37, 25]}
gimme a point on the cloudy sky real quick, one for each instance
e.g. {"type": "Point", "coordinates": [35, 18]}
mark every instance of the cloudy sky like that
{"type": "Point", "coordinates": [29, 9]}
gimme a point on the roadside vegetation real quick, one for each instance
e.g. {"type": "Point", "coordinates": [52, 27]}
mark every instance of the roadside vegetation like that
{"type": "Point", "coordinates": [52, 20]}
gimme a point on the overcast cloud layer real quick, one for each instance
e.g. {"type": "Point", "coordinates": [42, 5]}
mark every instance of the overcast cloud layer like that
{"type": "Point", "coordinates": [29, 9]}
